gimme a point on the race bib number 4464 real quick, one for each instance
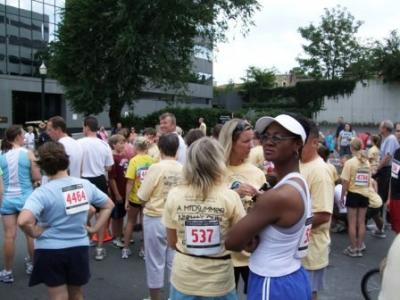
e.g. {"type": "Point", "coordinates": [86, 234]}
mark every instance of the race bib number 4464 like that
{"type": "Point", "coordinates": [75, 199]}
{"type": "Point", "coordinates": [203, 237]}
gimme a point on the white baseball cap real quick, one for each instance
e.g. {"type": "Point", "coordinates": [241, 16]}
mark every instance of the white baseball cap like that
{"type": "Point", "coordinates": [286, 121]}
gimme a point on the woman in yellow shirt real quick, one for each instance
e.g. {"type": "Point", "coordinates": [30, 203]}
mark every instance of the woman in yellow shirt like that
{"type": "Point", "coordinates": [197, 216]}
{"type": "Point", "coordinates": [236, 137]}
{"type": "Point", "coordinates": [356, 177]}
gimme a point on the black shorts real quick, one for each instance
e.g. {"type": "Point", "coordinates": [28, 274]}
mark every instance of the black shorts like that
{"type": "Point", "coordinates": [355, 200]}
{"type": "Point", "coordinates": [55, 267]}
{"type": "Point", "coordinates": [134, 204]}
{"type": "Point", "coordinates": [101, 183]}
{"type": "Point", "coordinates": [118, 211]}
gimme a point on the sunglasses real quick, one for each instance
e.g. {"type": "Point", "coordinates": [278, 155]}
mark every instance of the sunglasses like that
{"type": "Point", "coordinates": [276, 139]}
{"type": "Point", "coordinates": [240, 127]}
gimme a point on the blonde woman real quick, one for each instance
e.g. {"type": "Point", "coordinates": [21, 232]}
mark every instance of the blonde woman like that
{"type": "Point", "coordinates": [356, 177]}
{"type": "Point", "coordinates": [197, 216]}
{"type": "Point", "coordinates": [244, 178]}
{"type": "Point", "coordinates": [135, 174]}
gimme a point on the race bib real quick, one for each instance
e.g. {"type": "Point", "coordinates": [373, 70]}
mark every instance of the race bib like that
{"type": "Point", "coordinates": [302, 248]}
{"type": "Point", "coordinates": [362, 178]}
{"type": "Point", "coordinates": [75, 199]}
{"type": "Point", "coordinates": [395, 168]}
{"type": "Point", "coordinates": [203, 237]}
{"type": "Point", "coordinates": [141, 174]}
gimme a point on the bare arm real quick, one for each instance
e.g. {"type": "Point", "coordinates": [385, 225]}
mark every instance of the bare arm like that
{"type": "Point", "coordinates": [129, 184]}
{"type": "Point", "coordinates": [28, 224]}
{"type": "Point", "coordinates": [384, 161]}
{"type": "Point", "coordinates": [35, 170]}
{"type": "Point", "coordinates": [1, 189]}
{"type": "Point", "coordinates": [103, 216]}
{"type": "Point", "coordinates": [114, 188]}
{"type": "Point", "coordinates": [172, 238]}
{"type": "Point", "coordinates": [320, 218]}
{"type": "Point", "coordinates": [280, 206]}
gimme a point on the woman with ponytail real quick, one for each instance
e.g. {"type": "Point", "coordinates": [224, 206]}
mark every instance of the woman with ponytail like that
{"type": "Point", "coordinates": [19, 173]}
{"type": "Point", "coordinates": [356, 177]}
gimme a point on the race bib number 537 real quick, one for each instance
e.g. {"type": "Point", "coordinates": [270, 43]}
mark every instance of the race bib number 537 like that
{"type": "Point", "coordinates": [202, 237]}
{"type": "Point", "coordinates": [75, 199]}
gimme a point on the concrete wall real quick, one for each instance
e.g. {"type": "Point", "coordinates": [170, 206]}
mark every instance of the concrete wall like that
{"type": "Point", "coordinates": [369, 104]}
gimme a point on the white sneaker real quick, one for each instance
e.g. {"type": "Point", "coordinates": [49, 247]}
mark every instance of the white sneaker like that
{"type": "Point", "coordinates": [6, 276]}
{"type": "Point", "coordinates": [125, 253]}
{"type": "Point", "coordinates": [142, 254]}
{"type": "Point", "coordinates": [100, 253]}
{"type": "Point", "coordinates": [28, 265]}
{"type": "Point", "coordinates": [118, 243]}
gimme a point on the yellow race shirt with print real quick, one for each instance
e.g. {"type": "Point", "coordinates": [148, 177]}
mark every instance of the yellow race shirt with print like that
{"type": "Point", "coordinates": [195, 275]}
{"type": "Point", "coordinates": [358, 175]}
{"type": "Point", "coordinates": [137, 170]}
{"type": "Point", "coordinates": [236, 175]}
{"type": "Point", "coordinates": [318, 177]}
{"type": "Point", "coordinates": [256, 157]}
{"type": "Point", "coordinates": [373, 156]}
{"type": "Point", "coordinates": [160, 179]}
{"type": "Point", "coordinates": [154, 152]}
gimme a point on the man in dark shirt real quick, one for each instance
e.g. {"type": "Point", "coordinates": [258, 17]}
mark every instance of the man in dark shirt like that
{"type": "Point", "coordinates": [394, 192]}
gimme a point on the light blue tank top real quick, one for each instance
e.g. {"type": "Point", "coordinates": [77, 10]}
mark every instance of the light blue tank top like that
{"type": "Point", "coordinates": [16, 168]}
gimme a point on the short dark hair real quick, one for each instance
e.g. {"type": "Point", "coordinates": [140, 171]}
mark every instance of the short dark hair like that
{"type": "Point", "coordinates": [92, 123]}
{"type": "Point", "coordinates": [149, 131]}
{"type": "Point", "coordinates": [216, 130]}
{"type": "Point", "coordinates": [58, 122]}
{"type": "Point", "coordinates": [323, 152]}
{"type": "Point", "coordinates": [168, 144]}
{"type": "Point", "coordinates": [193, 135]}
{"type": "Point", "coordinates": [52, 158]}
{"type": "Point", "coordinates": [168, 115]}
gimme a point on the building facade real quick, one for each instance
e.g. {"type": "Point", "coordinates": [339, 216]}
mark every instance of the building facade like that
{"type": "Point", "coordinates": [26, 27]}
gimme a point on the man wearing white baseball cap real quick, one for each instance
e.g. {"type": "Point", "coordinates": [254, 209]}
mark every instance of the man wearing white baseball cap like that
{"type": "Point", "coordinates": [277, 228]}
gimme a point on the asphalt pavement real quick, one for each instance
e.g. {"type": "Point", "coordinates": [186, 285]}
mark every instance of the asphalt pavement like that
{"type": "Point", "coordinates": [117, 279]}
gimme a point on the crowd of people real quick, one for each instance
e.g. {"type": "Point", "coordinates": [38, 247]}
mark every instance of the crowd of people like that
{"type": "Point", "coordinates": [252, 203]}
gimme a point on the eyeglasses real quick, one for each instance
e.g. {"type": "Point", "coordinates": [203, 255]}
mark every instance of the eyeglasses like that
{"type": "Point", "coordinates": [275, 139]}
{"type": "Point", "coordinates": [240, 127]}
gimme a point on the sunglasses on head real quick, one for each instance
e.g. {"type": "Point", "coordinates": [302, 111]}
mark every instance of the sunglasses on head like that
{"type": "Point", "coordinates": [241, 126]}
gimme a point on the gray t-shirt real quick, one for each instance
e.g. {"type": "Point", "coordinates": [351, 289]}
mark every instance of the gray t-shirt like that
{"type": "Point", "coordinates": [389, 146]}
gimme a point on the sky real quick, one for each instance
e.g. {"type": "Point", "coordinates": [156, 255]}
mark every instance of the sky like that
{"type": "Point", "coordinates": [274, 41]}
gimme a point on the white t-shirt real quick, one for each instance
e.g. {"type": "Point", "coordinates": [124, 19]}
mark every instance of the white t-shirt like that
{"type": "Point", "coordinates": [97, 156]}
{"type": "Point", "coordinates": [29, 140]}
{"type": "Point", "coordinates": [181, 150]}
{"type": "Point", "coordinates": [74, 151]}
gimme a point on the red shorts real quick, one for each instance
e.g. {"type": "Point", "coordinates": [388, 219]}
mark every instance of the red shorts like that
{"type": "Point", "coordinates": [394, 208]}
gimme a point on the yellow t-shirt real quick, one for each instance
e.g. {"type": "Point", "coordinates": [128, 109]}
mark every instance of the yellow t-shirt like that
{"type": "Point", "coordinates": [137, 169]}
{"type": "Point", "coordinates": [358, 175]}
{"type": "Point", "coordinates": [256, 157]}
{"type": "Point", "coordinates": [194, 275]}
{"type": "Point", "coordinates": [160, 178]}
{"type": "Point", "coordinates": [373, 156]}
{"type": "Point", "coordinates": [154, 152]}
{"type": "Point", "coordinates": [322, 189]}
{"type": "Point", "coordinates": [334, 173]}
{"type": "Point", "coordinates": [244, 173]}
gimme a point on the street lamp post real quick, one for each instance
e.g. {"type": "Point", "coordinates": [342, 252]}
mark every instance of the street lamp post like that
{"type": "Point", "coordinates": [43, 73]}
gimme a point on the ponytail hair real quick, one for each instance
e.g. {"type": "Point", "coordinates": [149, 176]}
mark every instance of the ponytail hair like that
{"type": "Point", "coordinates": [9, 136]}
{"type": "Point", "coordinates": [361, 154]}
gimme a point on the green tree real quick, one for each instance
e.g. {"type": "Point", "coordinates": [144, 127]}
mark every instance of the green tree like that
{"type": "Point", "coordinates": [256, 79]}
{"type": "Point", "coordinates": [332, 45]}
{"type": "Point", "coordinates": [109, 50]}
{"type": "Point", "coordinates": [387, 56]}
